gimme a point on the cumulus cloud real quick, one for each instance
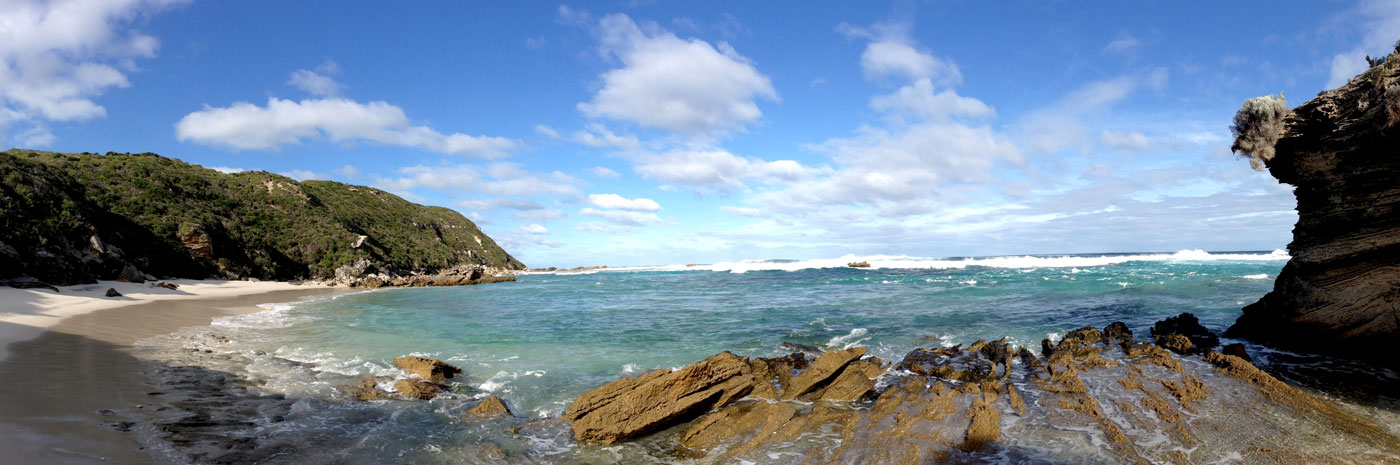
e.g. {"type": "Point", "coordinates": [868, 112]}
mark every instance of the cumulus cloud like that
{"type": "Point", "coordinates": [318, 82]}
{"type": "Point", "coordinates": [501, 202]}
{"type": "Point", "coordinates": [893, 57]}
{"type": "Point", "coordinates": [601, 137]}
{"type": "Point", "coordinates": [1125, 141]}
{"type": "Point", "coordinates": [624, 217]}
{"type": "Point", "coordinates": [305, 175]}
{"type": "Point", "coordinates": [226, 169]}
{"type": "Point", "coordinates": [502, 179]}
{"type": "Point", "coordinates": [534, 229]}
{"type": "Point", "coordinates": [920, 100]}
{"type": "Point", "coordinates": [56, 57]}
{"type": "Point", "coordinates": [688, 87]}
{"type": "Point", "coordinates": [1378, 21]}
{"type": "Point", "coordinates": [545, 130]}
{"type": "Point", "coordinates": [602, 172]}
{"type": "Point", "coordinates": [245, 126]}
{"type": "Point", "coordinates": [715, 168]}
{"type": "Point", "coordinates": [743, 211]}
{"type": "Point", "coordinates": [618, 202]}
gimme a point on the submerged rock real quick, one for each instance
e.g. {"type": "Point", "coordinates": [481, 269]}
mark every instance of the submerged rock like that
{"type": "Point", "coordinates": [415, 389]}
{"type": "Point", "coordinates": [804, 348]}
{"type": "Point", "coordinates": [430, 369]}
{"type": "Point", "coordinates": [366, 388]}
{"type": "Point", "coordinates": [490, 407]}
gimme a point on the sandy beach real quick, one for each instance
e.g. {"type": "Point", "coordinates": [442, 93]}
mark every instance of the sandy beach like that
{"type": "Point", "coordinates": [67, 365]}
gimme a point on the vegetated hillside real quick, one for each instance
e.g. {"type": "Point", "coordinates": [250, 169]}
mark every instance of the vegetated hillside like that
{"type": "Point", "coordinates": [73, 218]}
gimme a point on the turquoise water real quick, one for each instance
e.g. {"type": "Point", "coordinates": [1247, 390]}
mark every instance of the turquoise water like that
{"type": "Point", "coordinates": [543, 340]}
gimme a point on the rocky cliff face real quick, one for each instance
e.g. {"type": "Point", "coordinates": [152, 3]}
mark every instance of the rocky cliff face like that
{"type": "Point", "coordinates": [1341, 289]}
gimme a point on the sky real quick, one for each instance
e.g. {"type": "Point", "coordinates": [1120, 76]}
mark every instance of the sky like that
{"type": "Point", "coordinates": [650, 132]}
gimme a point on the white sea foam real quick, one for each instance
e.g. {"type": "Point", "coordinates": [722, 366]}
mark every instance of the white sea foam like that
{"type": "Point", "coordinates": [1256, 276]}
{"type": "Point", "coordinates": [1022, 262]}
{"type": "Point", "coordinates": [852, 339]}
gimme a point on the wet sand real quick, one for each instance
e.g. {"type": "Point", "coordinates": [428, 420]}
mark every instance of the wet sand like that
{"type": "Point", "coordinates": [64, 394]}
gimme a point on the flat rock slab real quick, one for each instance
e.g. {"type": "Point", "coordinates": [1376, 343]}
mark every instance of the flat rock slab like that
{"type": "Point", "coordinates": [430, 369]}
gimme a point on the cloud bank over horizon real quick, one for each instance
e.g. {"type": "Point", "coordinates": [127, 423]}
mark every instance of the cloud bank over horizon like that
{"type": "Point", "coordinates": [656, 134]}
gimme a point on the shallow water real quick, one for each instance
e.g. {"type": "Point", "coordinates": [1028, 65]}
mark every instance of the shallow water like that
{"type": "Point", "coordinates": [543, 340]}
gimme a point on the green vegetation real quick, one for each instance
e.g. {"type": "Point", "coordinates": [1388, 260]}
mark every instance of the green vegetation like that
{"type": "Point", "coordinates": [1258, 126]}
{"type": "Point", "coordinates": [69, 218]}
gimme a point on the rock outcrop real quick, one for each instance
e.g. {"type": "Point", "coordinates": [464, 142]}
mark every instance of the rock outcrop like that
{"type": "Point", "coordinates": [430, 369]}
{"type": "Point", "coordinates": [1338, 292]}
{"type": "Point", "coordinates": [1138, 402]}
{"type": "Point", "coordinates": [490, 407]}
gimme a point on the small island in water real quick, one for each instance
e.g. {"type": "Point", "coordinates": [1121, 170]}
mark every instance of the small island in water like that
{"type": "Point", "coordinates": [158, 311]}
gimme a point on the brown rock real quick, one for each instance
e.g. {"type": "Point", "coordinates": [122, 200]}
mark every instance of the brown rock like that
{"type": "Point", "coordinates": [423, 390]}
{"type": "Point", "coordinates": [627, 408]}
{"type": "Point", "coordinates": [821, 370]}
{"type": "Point", "coordinates": [1337, 292]}
{"type": "Point", "coordinates": [430, 369]}
{"type": "Point", "coordinates": [490, 407]}
{"type": "Point", "coordinates": [855, 383]}
{"type": "Point", "coordinates": [167, 285]}
{"type": "Point", "coordinates": [197, 241]}
{"type": "Point", "coordinates": [984, 427]}
{"type": "Point", "coordinates": [1237, 350]}
{"type": "Point", "coordinates": [1175, 343]}
{"type": "Point", "coordinates": [858, 264]}
{"type": "Point", "coordinates": [364, 389]}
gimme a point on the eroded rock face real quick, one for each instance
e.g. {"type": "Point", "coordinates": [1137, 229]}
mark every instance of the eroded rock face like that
{"type": "Point", "coordinates": [1196, 337]}
{"type": "Point", "coordinates": [415, 389]}
{"type": "Point", "coordinates": [1138, 400]}
{"type": "Point", "coordinates": [629, 407]}
{"type": "Point", "coordinates": [1338, 291]}
{"type": "Point", "coordinates": [430, 369]}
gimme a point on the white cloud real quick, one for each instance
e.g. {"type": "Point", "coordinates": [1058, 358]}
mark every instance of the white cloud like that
{"type": "Point", "coordinates": [896, 58]}
{"type": "Point", "coordinates": [545, 130]}
{"type": "Point", "coordinates": [1126, 141]}
{"type": "Point", "coordinates": [432, 177]}
{"type": "Point", "coordinates": [599, 136]}
{"type": "Point", "coordinates": [743, 211]}
{"type": "Point", "coordinates": [684, 86]}
{"type": "Point", "coordinates": [534, 229]}
{"type": "Point", "coordinates": [602, 172]}
{"type": "Point", "coordinates": [1378, 21]}
{"type": "Point", "coordinates": [1123, 45]}
{"type": "Point", "coordinates": [614, 201]}
{"type": "Point", "coordinates": [1060, 125]}
{"type": "Point", "coordinates": [305, 175]}
{"type": "Point", "coordinates": [715, 168]}
{"type": "Point", "coordinates": [245, 126]}
{"type": "Point", "coordinates": [226, 169]}
{"type": "Point", "coordinates": [626, 218]}
{"type": "Point", "coordinates": [348, 172]}
{"type": "Point", "coordinates": [920, 101]}
{"type": "Point", "coordinates": [56, 57]}
{"type": "Point", "coordinates": [501, 202]}
{"type": "Point", "coordinates": [317, 82]}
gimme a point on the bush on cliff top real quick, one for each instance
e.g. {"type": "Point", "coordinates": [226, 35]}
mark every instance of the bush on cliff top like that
{"type": "Point", "coordinates": [1258, 126]}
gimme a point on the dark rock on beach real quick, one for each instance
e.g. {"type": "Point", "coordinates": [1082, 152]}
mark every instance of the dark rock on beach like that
{"type": "Point", "coordinates": [112, 292]}
{"type": "Point", "coordinates": [1196, 337]}
{"type": "Point", "coordinates": [1337, 292]}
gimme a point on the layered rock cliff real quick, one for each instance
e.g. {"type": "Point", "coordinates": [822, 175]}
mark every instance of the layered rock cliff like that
{"type": "Point", "coordinates": [1341, 289]}
{"type": "Point", "coordinates": [74, 218]}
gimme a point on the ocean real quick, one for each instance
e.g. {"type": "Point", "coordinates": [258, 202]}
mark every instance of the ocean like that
{"type": "Point", "coordinates": [543, 340]}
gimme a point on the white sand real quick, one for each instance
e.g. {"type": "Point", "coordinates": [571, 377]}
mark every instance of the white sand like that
{"type": "Point", "coordinates": [29, 312]}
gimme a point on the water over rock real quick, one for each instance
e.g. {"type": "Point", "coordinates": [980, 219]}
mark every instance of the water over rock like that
{"type": "Point", "coordinates": [1093, 397]}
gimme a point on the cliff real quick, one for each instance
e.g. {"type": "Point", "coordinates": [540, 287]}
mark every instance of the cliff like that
{"type": "Point", "coordinates": [74, 218]}
{"type": "Point", "coordinates": [1341, 289]}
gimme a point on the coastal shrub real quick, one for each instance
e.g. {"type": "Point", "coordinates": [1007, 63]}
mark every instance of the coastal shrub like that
{"type": "Point", "coordinates": [1257, 127]}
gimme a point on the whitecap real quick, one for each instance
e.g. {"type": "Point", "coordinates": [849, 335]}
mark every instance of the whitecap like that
{"type": "Point", "coordinates": [1255, 276]}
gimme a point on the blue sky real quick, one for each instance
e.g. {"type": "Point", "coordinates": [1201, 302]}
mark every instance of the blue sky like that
{"type": "Point", "coordinates": [657, 132]}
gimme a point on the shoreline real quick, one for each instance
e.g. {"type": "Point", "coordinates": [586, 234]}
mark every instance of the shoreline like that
{"type": "Point", "coordinates": [68, 363]}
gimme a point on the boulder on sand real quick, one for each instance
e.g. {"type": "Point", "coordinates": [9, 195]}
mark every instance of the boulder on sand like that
{"type": "Point", "coordinates": [112, 292]}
